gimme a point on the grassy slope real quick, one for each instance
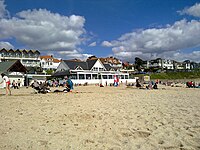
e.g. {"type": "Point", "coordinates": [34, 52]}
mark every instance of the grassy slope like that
{"type": "Point", "coordinates": [176, 75]}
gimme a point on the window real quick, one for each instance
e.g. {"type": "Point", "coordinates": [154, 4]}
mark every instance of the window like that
{"type": "Point", "coordinates": [73, 76]}
{"type": "Point", "coordinates": [101, 69]}
{"type": "Point", "coordinates": [104, 76]}
{"type": "Point", "coordinates": [110, 77]}
{"type": "Point", "coordinates": [126, 76]}
{"type": "Point", "coordinates": [94, 76]}
{"type": "Point", "coordinates": [95, 69]}
{"type": "Point", "coordinates": [88, 76]}
{"type": "Point", "coordinates": [81, 76]}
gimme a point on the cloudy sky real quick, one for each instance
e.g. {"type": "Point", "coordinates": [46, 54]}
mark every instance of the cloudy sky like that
{"type": "Point", "coordinates": [121, 28]}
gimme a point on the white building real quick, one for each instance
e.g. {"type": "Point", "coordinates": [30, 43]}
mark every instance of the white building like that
{"type": "Point", "coordinates": [29, 58]}
{"type": "Point", "coordinates": [167, 64]}
{"type": "Point", "coordinates": [92, 72]}
{"type": "Point", "coordinates": [160, 63]}
{"type": "Point", "coordinates": [49, 62]}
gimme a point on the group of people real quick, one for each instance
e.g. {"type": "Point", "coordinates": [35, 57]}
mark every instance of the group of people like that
{"type": "Point", "coordinates": [40, 87]}
{"type": "Point", "coordinates": [192, 84]}
{"type": "Point", "coordinates": [151, 85]}
{"type": "Point", "coordinates": [16, 84]}
{"type": "Point", "coordinates": [45, 87]}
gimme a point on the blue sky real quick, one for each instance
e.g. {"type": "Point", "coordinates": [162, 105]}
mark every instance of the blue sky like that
{"type": "Point", "coordinates": [121, 28]}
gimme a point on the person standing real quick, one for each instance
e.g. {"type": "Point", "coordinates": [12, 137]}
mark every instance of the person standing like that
{"type": "Point", "coordinates": [7, 80]}
{"type": "Point", "coordinates": [19, 82]}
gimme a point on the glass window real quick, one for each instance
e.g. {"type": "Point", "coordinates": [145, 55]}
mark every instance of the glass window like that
{"type": "Point", "coordinates": [104, 76]}
{"type": "Point", "coordinates": [100, 69]}
{"type": "Point", "coordinates": [94, 76]}
{"type": "Point", "coordinates": [73, 76]}
{"type": "Point", "coordinates": [110, 77]}
{"type": "Point", "coordinates": [81, 76]}
{"type": "Point", "coordinates": [88, 76]}
{"type": "Point", "coordinates": [126, 76]}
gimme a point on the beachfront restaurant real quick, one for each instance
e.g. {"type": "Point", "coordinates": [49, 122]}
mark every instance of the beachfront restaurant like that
{"type": "Point", "coordinates": [104, 77]}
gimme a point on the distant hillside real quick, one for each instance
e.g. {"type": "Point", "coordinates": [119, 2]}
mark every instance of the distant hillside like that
{"type": "Point", "coordinates": [176, 75]}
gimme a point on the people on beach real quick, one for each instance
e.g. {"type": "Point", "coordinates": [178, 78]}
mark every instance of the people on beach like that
{"type": "Point", "coordinates": [18, 83]}
{"type": "Point", "coordinates": [138, 85]}
{"type": "Point", "coordinates": [15, 85]}
{"type": "Point", "coordinates": [155, 86]}
{"type": "Point", "coordinates": [69, 85]}
{"type": "Point", "coordinates": [40, 87]}
{"type": "Point", "coordinates": [7, 81]}
{"type": "Point", "coordinates": [149, 86]}
{"type": "Point", "coordinates": [116, 81]}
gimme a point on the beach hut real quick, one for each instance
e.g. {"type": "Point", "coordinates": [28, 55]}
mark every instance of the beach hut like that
{"type": "Point", "coordinates": [14, 69]}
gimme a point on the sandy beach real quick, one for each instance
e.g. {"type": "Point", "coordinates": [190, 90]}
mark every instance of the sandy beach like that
{"type": "Point", "coordinates": [101, 118]}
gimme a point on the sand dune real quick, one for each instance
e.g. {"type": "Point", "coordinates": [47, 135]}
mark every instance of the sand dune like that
{"type": "Point", "coordinates": [101, 118]}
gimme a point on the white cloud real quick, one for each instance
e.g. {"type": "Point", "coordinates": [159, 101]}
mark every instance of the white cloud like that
{"type": "Point", "coordinates": [3, 12]}
{"type": "Point", "coordinates": [106, 44]}
{"type": "Point", "coordinates": [44, 30]}
{"type": "Point", "coordinates": [93, 44]}
{"type": "Point", "coordinates": [6, 45]}
{"type": "Point", "coordinates": [193, 10]}
{"type": "Point", "coordinates": [74, 54]}
{"type": "Point", "coordinates": [194, 56]}
{"type": "Point", "coordinates": [157, 41]}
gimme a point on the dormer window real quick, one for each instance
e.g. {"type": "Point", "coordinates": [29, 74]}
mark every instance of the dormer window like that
{"type": "Point", "coordinates": [78, 68]}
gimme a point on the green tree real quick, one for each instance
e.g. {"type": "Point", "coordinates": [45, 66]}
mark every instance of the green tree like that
{"type": "Point", "coordinates": [138, 63]}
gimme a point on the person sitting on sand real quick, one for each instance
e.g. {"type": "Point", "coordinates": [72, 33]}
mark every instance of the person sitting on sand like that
{"type": "Point", "coordinates": [149, 86]}
{"type": "Point", "coordinates": [69, 85]}
{"type": "Point", "coordinates": [36, 85]}
{"type": "Point", "coordinates": [40, 88]}
{"type": "Point", "coordinates": [7, 81]}
{"type": "Point", "coordinates": [138, 85]}
{"type": "Point", "coordinates": [155, 86]}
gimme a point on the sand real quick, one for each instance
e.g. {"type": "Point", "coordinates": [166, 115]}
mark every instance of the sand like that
{"type": "Point", "coordinates": [101, 118]}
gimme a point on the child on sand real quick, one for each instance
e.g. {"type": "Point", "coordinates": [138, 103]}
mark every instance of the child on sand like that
{"type": "Point", "coordinates": [7, 80]}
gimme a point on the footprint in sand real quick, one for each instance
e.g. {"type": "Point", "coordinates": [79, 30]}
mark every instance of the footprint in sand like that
{"type": "Point", "coordinates": [136, 134]}
{"type": "Point", "coordinates": [194, 142]}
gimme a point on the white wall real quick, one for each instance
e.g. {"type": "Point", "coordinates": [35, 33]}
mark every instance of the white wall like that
{"type": "Point", "coordinates": [103, 81]}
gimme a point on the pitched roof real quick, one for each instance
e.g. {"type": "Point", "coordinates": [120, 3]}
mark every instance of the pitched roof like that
{"type": "Point", "coordinates": [56, 60]}
{"type": "Point", "coordinates": [85, 65]}
{"type": "Point", "coordinates": [46, 57]}
{"type": "Point", "coordinates": [74, 64]}
{"type": "Point", "coordinates": [90, 63]}
{"type": "Point", "coordinates": [61, 73]}
{"type": "Point", "coordinates": [24, 50]}
{"type": "Point", "coordinates": [12, 66]}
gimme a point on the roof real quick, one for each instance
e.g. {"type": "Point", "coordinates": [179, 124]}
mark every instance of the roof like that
{"type": "Point", "coordinates": [46, 57]}
{"type": "Point", "coordinates": [50, 57]}
{"type": "Point", "coordinates": [107, 66]}
{"type": "Point", "coordinates": [24, 50]}
{"type": "Point", "coordinates": [85, 65]}
{"type": "Point", "coordinates": [56, 60]}
{"type": "Point", "coordinates": [91, 63]}
{"type": "Point", "coordinates": [74, 64]}
{"type": "Point", "coordinates": [61, 73]}
{"type": "Point", "coordinates": [12, 66]}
